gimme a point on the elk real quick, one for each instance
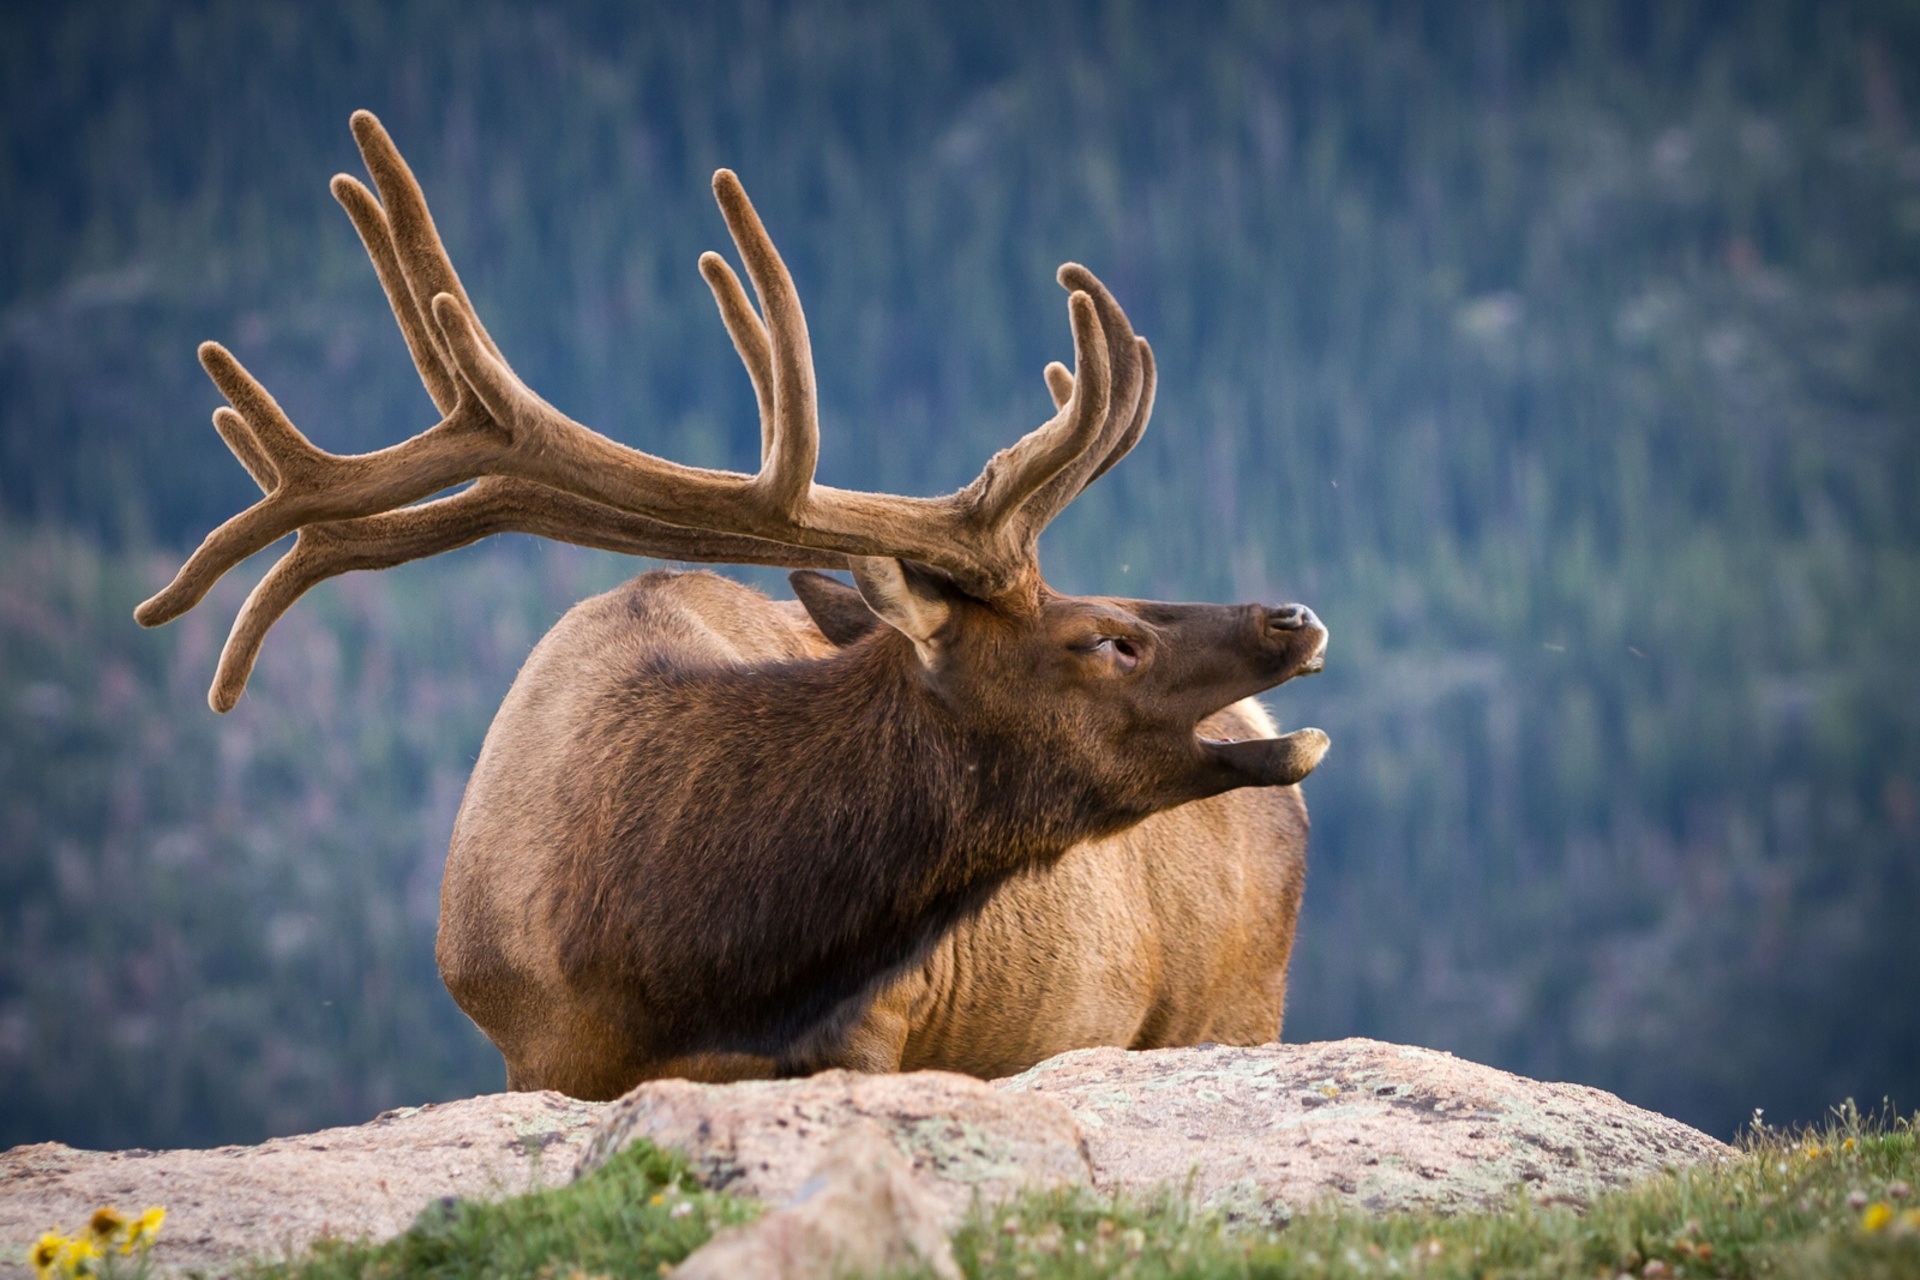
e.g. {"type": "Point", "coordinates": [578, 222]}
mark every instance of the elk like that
{"type": "Point", "coordinates": [894, 824]}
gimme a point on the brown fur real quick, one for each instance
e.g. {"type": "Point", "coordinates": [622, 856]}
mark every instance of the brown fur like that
{"type": "Point", "coordinates": [1173, 931]}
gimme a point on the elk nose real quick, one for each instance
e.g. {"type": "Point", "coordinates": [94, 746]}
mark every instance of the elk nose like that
{"type": "Point", "coordinates": [1291, 617]}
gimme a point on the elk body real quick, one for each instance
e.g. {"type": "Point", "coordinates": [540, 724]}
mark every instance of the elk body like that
{"type": "Point", "coordinates": [943, 817]}
{"type": "Point", "coordinates": [1174, 931]}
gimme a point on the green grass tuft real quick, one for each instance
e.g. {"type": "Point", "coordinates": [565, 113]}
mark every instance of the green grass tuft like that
{"type": "Point", "coordinates": [1834, 1201]}
{"type": "Point", "coordinates": [637, 1215]}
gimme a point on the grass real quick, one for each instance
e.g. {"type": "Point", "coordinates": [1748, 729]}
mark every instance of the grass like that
{"type": "Point", "coordinates": [637, 1215]}
{"type": "Point", "coordinates": [1831, 1201]}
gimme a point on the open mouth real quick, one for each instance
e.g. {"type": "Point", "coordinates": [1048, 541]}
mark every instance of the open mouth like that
{"type": "Point", "coordinates": [1274, 762]}
{"type": "Point", "coordinates": [1279, 759]}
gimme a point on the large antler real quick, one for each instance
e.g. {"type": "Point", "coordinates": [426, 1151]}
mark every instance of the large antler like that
{"type": "Point", "coordinates": [544, 473]}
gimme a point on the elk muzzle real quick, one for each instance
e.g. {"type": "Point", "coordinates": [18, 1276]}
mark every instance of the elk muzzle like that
{"type": "Point", "coordinates": [1299, 629]}
{"type": "Point", "coordinates": [1294, 643]}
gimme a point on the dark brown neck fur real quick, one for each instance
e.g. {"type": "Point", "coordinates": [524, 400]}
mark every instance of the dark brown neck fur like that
{"type": "Point", "coordinates": [786, 838]}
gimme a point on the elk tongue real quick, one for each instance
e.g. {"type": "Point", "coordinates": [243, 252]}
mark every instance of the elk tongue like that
{"type": "Point", "coordinates": [1272, 762]}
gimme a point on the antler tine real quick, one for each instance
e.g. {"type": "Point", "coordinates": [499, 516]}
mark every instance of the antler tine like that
{"type": "Point", "coordinates": [1142, 412]}
{"type": "Point", "coordinates": [1060, 386]}
{"type": "Point", "coordinates": [1016, 474]}
{"type": "Point", "coordinates": [494, 504]}
{"type": "Point", "coordinates": [749, 339]}
{"type": "Point", "coordinates": [1059, 383]}
{"type": "Point", "coordinates": [422, 257]}
{"type": "Point", "coordinates": [786, 475]}
{"type": "Point", "coordinates": [1129, 364]}
{"type": "Point", "coordinates": [1125, 350]}
{"type": "Point", "coordinates": [370, 220]}
{"type": "Point", "coordinates": [246, 446]}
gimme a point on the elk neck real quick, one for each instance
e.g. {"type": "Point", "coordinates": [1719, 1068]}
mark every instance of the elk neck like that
{"type": "Point", "coordinates": [786, 838]}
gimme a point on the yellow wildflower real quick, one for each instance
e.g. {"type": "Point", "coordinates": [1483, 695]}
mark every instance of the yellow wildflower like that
{"type": "Point", "coordinates": [107, 1222]}
{"type": "Point", "coordinates": [658, 1199]}
{"type": "Point", "coordinates": [77, 1255]}
{"type": "Point", "coordinates": [145, 1227]}
{"type": "Point", "coordinates": [1878, 1215]}
{"type": "Point", "coordinates": [46, 1253]}
{"type": "Point", "coordinates": [1847, 1145]}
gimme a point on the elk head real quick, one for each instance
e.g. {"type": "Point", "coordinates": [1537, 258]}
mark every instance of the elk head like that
{"type": "Point", "coordinates": [1103, 695]}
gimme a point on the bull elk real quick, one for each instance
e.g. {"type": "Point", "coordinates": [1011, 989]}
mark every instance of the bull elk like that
{"type": "Point", "coordinates": [942, 817]}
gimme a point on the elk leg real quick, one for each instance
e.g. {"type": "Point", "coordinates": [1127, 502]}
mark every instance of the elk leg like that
{"type": "Point", "coordinates": [876, 1042]}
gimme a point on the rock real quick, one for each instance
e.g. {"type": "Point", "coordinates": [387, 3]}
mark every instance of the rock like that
{"type": "Point", "coordinates": [762, 1137]}
{"type": "Point", "coordinates": [1265, 1132]}
{"type": "Point", "coordinates": [862, 1210]}
{"type": "Point", "coordinates": [1260, 1133]}
{"type": "Point", "coordinates": [228, 1204]}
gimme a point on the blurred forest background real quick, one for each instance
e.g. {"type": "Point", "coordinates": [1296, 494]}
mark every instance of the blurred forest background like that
{"type": "Point", "coordinates": [1562, 357]}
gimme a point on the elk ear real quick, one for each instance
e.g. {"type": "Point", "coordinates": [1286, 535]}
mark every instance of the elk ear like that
{"type": "Point", "coordinates": [906, 598]}
{"type": "Point", "coordinates": [837, 609]}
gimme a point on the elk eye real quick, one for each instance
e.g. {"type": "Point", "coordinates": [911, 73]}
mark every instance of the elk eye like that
{"type": "Point", "coordinates": [1125, 654]}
